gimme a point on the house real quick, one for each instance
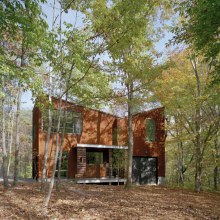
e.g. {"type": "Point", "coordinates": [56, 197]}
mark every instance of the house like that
{"type": "Point", "coordinates": [95, 145]}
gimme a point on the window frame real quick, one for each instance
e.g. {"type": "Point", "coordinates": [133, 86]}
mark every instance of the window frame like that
{"type": "Point", "coordinates": [150, 131]}
{"type": "Point", "coordinates": [98, 157]}
{"type": "Point", "coordinates": [70, 127]}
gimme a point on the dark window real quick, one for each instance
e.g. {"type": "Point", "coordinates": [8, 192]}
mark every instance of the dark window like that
{"type": "Point", "coordinates": [150, 129]}
{"type": "Point", "coordinates": [94, 157]}
{"type": "Point", "coordinates": [73, 121]}
{"type": "Point", "coordinates": [115, 136]}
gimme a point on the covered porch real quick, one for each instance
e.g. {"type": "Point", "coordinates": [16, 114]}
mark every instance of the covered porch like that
{"type": "Point", "coordinates": [100, 163]}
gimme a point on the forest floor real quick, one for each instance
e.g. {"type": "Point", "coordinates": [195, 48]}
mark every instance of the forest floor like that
{"type": "Point", "coordinates": [108, 202]}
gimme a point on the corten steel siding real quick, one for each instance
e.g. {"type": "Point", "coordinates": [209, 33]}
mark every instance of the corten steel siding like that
{"type": "Point", "coordinates": [122, 131]}
{"type": "Point", "coordinates": [97, 129]}
{"type": "Point", "coordinates": [150, 149]}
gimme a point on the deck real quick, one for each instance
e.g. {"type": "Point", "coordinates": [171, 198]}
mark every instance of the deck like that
{"type": "Point", "coordinates": [101, 180]}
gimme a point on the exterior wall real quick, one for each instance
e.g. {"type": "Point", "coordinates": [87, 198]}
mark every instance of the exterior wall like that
{"type": "Point", "coordinates": [98, 129]}
{"type": "Point", "coordinates": [122, 132]}
{"type": "Point", "coordinates": [150, 149]}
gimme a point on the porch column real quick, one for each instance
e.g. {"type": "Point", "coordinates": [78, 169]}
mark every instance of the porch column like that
{"type": "Point", "coordinates": [110, 162]}
{"type": "Point", "coordinates": [81, 162]}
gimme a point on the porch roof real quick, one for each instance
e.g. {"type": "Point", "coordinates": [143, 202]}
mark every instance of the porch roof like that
{"type": "Point", "coordinates": [102, 146]}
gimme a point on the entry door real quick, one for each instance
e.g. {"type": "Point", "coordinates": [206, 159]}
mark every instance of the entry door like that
{"type": "Point", "coordinates": [144, 170]}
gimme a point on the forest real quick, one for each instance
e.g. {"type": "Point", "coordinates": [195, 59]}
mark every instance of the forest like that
{"type": "Point", "coordinates": [122, 57]}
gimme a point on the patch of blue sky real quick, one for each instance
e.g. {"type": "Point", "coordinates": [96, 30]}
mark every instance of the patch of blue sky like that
{"type": "Point", "coordinates": [76, 19]}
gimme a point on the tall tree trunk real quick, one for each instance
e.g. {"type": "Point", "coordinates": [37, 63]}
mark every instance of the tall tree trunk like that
{"type": "Point", "coordinates": [44, 172]}
{"type": "Point", "coordinates": [61, 151]}
{"type": "Point", "coordinates": [63, 134]}
{"type": "Point", "coordinates": [216, 169]}
{"type": "Point", "coordinates": [5, 155]}
{"type": "Point", "coordinates": [64, 121]}
{"type": "Point", "coordinates": [130, 136]}
{"type": "Point", "coordinates": [180, 164]}
{"type": "Point", "coordinates": [17, 137]}
{"type": "Point", "coordinates": [47, 200]}
{"type": "Point", "coordinates": [216, 177]}
{"type": "Point", "coordinates": [198, 126]}
{"type": "Point", "coordinates": [10, 139]}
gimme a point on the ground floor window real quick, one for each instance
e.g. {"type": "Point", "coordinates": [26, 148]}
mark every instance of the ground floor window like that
{"type": "Point", "coordinates": [94, 157]}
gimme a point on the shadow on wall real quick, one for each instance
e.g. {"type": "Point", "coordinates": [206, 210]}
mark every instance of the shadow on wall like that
{"type": "Point", "coordinates": [97, 128]}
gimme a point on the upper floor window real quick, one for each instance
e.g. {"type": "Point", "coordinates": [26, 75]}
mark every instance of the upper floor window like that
{"type": "Point", "coordinates": [73, 121]}
{"type": "Point", "coordinates": [115, 136]}
{"type": "Point", "coordinates": [150, 126]}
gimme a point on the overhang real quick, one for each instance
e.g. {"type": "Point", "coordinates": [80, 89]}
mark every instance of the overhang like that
{"type": "Point", "coordinates": [101, 146]}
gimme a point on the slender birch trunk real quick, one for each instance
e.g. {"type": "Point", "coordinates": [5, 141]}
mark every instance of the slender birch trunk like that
{"type": "Point", "coordinates": [62, 138]}
{"type": "Point", "coordinates": [198, 127]}
{"type": "Point", "coordinates": [5, 154]}
{"type": "Point", "coordinates": [11, 140]}
{"type": "Point", "coordinates": [17, 137]}
{"type": "Point", "coordinates": [61, 150]}
{"type": "Point", "coordinates": [47, 200]}
{"type": "Point", "coordinates": [44, 172]}
{"type": "Point", "coordinates": [130, 136]}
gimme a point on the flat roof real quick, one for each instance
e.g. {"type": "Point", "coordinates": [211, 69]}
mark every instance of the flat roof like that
{"type": "Point", "coordinates": [102, 146]}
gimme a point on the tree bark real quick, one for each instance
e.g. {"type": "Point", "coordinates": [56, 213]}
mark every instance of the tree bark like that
{"type": "Point", "coordinates": [10, 140]}
{"type": "Point", "coordinates": [198, 127]}
{"type": "Point", "coordinates": [17, 135]}
{"type": "Point", "coordinates": [130, 136]}
{"type": "Point", "coordinates": [17, 138]}
{"type": "Point", "coordinates": [44, 177]}
{"type": "Point", "coordinates": [44, 172]}
{"type": "Point", "coordinates": [216, 169]}
{"type": "Point", "coordinates": [62, 138]}
{"type": "Point", "coordinates": [216, 178]}
{"type": "Point", "coordinates": [47, 200]}
{"type": "Point", "coordinates": [5, 154]}
{"type": "Point", "coordinates": [180, 164]}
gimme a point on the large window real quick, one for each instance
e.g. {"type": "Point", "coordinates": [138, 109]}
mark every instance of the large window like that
{"type": "Point", "coordinates": [73, 121]}
{"type": "Point", "coordinates": [94, 158]}
{"type": "Point", "coordinates": [150, 129]}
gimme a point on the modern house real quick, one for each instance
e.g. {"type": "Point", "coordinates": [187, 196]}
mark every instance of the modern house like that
{"type": "Point", "coordinates": [95, 145]}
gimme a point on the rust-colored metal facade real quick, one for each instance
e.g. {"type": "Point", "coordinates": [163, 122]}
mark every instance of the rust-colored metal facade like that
{"type": "Point", "coordinates": [98, 128]}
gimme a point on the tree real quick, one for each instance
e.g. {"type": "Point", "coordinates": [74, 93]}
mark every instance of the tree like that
{"type": "Point", "coordinates": [5, 154]}
{"type": "Point", "coordinates": [192, 105]}
{"type": "Point", "coordinates": [23, 36]}
{"type": "Point", "coordinates": [200, 27]}
{"type": "Point", "coordinates": [125, 30]}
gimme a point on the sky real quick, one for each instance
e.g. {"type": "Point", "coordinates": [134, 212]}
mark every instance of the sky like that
{"type": "Point", "coordinates": [76, 19]}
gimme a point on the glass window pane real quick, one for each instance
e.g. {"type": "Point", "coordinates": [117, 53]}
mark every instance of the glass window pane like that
{"type": "Point", "coordinates": [150, 130]}
{"type": "Point", "coordinates": [94, 158]}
